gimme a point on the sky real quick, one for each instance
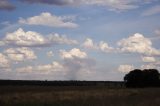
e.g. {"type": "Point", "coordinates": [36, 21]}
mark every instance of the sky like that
{"type": "Point", "coordinates": [78, 39]}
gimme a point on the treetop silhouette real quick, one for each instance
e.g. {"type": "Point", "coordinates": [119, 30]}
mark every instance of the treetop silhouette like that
{"type": "Point", "coordinates": [142, 78]}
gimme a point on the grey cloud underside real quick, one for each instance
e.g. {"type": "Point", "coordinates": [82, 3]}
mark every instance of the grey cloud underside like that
{"type": "Point", "coordinates": [79, 68]}
{"type": "Point", "coordinates": [6, 5]}
{"type": "Point", "coordinates": [112, 5]}
{"type": "Point", "coordinates": [72, 66]}
{"type": "Point", "coordinates": [53, 2]}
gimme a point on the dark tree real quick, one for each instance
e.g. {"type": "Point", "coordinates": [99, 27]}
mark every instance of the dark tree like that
{"type": "Point", "coordinates": [142, 78]}
{"type": "Point", "coordinates": [151, 77]}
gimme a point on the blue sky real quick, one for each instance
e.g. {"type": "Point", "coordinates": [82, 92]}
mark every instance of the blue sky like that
{"type": "Point", "coordinates": [78, 39]}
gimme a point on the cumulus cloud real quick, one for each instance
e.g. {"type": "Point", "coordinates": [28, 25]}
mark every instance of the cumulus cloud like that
{"type": "Point", "coordinates": [4, 62]}
{"type": "Point", "coordinates": [61, 39]}
{"type": "Point", "coordinates": [78, 68]}
{"type": "Point", "coordinates": [42, 69]}
{"type": "Point", "coordinates": [27, 69]}
{"type": "Point", "coordinates": [22, 38]}
{"type": "Point", "coordinates": [34, 39]}
{"type": "Point", "coordinates": [151, 65]}
{"type": "Point", "coordinates": [138, 44]}
{"type": "Point", "coordinates": [20, 54]}
{"type": "Point", "coordinates": [148, 59]}
{"type": "Point", "coordinates": [152, 11]}
{"type": "Point", "coordinates": [113, 5]}
{"type": "Point", "coordinates": [148, 66]}
{"type": "Point", "coordinates": [125, 68]}
{"type": "Point", "coordinates": [50, 54]}
{"type": "Point", "coordinates": [103, 46]}
{"type": "Point", "coordinates": [89, 44]}
{"type": "Point", "coordinates": [73, 53]}
{"type": "Point", "coordinates": [6, 5]}
{"type": "Point", "coordinates": [77, 64]}
{"type": "Point", "coordinates": [47, 19]}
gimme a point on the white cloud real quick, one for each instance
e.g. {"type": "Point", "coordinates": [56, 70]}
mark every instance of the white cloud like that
{"type": "Point", "coordinates": [151, 65]}
{"type": "Point", "coordinates": [50, 54]}
{"type": "Point", "coordinates": [152, 11]}
{"type": "Point", "coordinates": [88, 43]}
{"type": "Point", "coordinates": [20, 54]}
{"type": "Point", "coordinates": [4, 62]}
{"type": "Point", "coordinates": [148, 59]}
{"type": "Point", "coordinates": [47, 19]}
{"type": "Point", "coordinates": [105, 47]}
{"type": "Point", "coordinates": [114, 5]}
{"type": "Point", "coordinates": [125, 68]}
{"type": "Point", "coordinates": [55, 66]}
{"type": "Point", "coordinates": [70, 69]}
{"type": "Point", "coordinates": [138, 44]}
{"type": "Point", "coordinates": [27, 69]}
{"type": "Point", "coordinates": [61, 39]}
{"type": "Point", "coordinates": [102, 46]}
{"type": "Point", "coordinates": [22, 38]}
{"type": "Point", "coordinates": [77, 64]}
{"type": "Point", "coordinates": [79, 68]}
{"type": "Point", "coordinates": [42, 69]}
{"type": "Point", "coordinates": [72, 54]}
{"type": "Point", "coordinates": [117, 5]}
{"type": "Point", "coordinates": [34, 39]}
{"type": "Point", "coordinates": [148, 66]}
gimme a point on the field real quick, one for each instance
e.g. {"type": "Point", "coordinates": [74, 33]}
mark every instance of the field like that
{"type": "Point", "coordinates": [78, 96]}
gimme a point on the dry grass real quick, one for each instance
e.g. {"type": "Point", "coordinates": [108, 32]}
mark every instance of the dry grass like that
{"type": "Point", "coordinates": [77, 96]}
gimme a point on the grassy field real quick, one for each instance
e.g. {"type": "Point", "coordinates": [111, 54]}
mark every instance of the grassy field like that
{"type": "Point", "coordinates": [78, 96]}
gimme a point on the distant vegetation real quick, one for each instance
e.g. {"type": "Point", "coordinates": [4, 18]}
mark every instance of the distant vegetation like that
{"type": "Point", "coordinates": [111, 84]}
{"type": "Point", "coordinates": [135, 78]}
{"type": "Point", "coordinates": [142, 78]}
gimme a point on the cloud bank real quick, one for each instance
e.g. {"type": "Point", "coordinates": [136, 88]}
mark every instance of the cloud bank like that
{"type": "Point", "coordinates": [75, 65]}
{"type": "Point", "coordinates": [112, 5]}
{"type": "Point", "coordinates": [47, 19]}
{"type": "Point", "coordinates": [125, 68]}
{"type": "Point", "coordinates": [137, 43]}
{"type": "Point", "coordinates": [20, 38]}
{"type": "Point", "coordinates": [20, 54]}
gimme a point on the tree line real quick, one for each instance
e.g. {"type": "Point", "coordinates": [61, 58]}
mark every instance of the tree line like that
{"type": "Point", "coordinates": [142, 78]}
{"type": "Point", "coordinates": [135, 78]}
{"type": "Point", "coordinates": [60, 83]}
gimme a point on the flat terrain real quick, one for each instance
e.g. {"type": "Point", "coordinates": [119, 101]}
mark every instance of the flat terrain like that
{"type": "Point", "coordinates": [78, 96]}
